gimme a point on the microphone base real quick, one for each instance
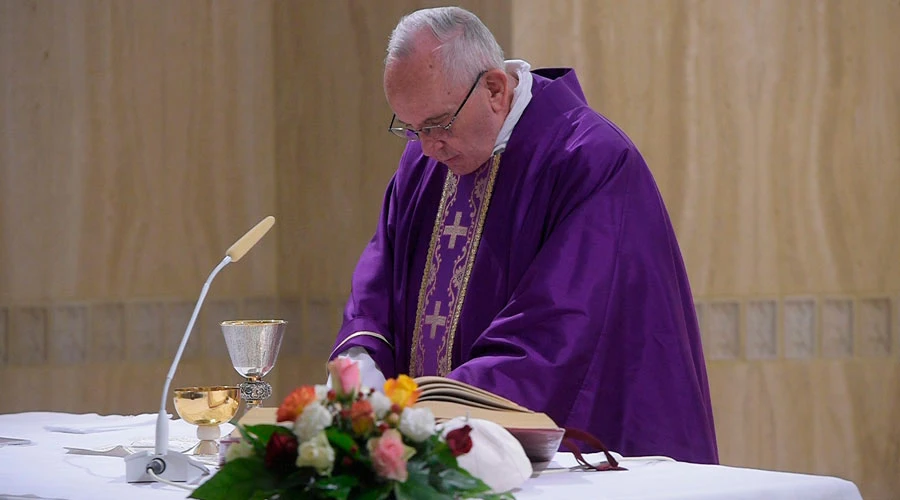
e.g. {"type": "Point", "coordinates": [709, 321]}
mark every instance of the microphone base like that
{"type": "Point", "coordinates": [173, 466]}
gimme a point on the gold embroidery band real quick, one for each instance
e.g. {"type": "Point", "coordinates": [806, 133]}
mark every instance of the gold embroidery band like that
{"type": "Point", "coordinates": [353, 336]}
{"type": "Point", "coordinates": [445, 364]}
{"type": "Point", "coordinates": [359, 334]}
{"type": "Point", "coordinates": [416, 364]}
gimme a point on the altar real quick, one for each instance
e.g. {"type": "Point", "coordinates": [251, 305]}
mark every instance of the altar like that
{"type": "Point", "coordinates": [80, 456]}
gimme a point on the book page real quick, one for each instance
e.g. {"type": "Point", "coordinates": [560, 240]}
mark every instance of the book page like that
{"type": "Point", "coordinates": [446, 410]}
{"type": "Point", "coordinates": [460, 400]}
{"type": "Point", "coordinates": [440, 389]}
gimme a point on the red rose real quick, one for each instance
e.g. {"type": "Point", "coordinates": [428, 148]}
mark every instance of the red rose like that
{"type": "Point", "coordinates": [281, 452]}
{"type": "Point", "coordinates": [459, 441]}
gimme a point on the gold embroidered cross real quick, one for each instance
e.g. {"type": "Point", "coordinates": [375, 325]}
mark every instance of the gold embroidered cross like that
{"type": "Point", "coordinates": [455, 230]}
{"type": "Point", "coordinates": [435, 319]}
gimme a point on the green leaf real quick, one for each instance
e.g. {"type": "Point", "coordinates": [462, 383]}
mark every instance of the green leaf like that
{"type": "Point", "coordinates": [239, 479]}
{"type": "Point", "coordinates": [417, 486]}
{"type": "Point", "coordinates": [259, 435]}
{"type": "Point", "coordinates": [295, 494]}
{"type": "Point", "coordinates": [343, 441]}
{"type": "Point", "coordinates": [451, 480]}
{"type": "Point", "coordinates": [444, 456]}
{"type": "Point", "coordinates": [302, 477]}
{"type": "Point", "coordinates": [380, 492]}
{"type": "Point", "coordinates": [338, 487]}
{"type": "Point", "coordinates": [265, 431]}
{"type": "Point", "coordinates": [411, 490]}
{"type": "Point", "coordinates": [425, 447]}
{"type": "Point", "coordinates": [264, 495]}
{"type": "Point", "coordinates": [495, 496]}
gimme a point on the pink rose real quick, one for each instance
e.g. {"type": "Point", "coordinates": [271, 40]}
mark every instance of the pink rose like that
{"type": "Point", "coordinates": [344, 375]}
{"type": "Point", "coordinates": [389, 455]}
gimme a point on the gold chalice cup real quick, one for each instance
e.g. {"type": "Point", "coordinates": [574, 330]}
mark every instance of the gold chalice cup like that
{"type": "Point", "coordinates": [207, 408]}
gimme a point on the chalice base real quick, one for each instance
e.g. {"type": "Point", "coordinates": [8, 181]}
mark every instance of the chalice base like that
{"type": "Point", "coordinates": [207, 448]}
{"type": "Point", "coordinates": [208, 435]}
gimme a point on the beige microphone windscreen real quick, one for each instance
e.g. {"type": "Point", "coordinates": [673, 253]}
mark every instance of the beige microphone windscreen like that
{"type": "Point", "coordinates": [249, 239]}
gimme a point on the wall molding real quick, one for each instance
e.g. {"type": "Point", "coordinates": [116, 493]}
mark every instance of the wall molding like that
{"type": "Point", "coordinates": [800, 327]}
{"type": "Point", "coordinates": [794, 327]}
{"type": "Point", "coordinates": [68, 333]}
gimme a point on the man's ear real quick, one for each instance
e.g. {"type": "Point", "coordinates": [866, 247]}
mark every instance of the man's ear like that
{"type": "Point", "coordinates": [498, 84]}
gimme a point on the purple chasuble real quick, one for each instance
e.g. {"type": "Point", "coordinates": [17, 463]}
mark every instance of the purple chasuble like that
{"type": "Point", "coordinates": [575, 301]}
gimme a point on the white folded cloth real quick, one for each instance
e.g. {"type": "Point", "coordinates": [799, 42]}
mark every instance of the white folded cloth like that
{"type": "Point", "coordinates": [106, 424]}
{"type": "Point", "coordinates": [496, 457]}
{"type": "Point", "coordinates": [11, 441]}
{"type": "Point", "coordinates": [106, 451]}
{"type": "Point", "coordinates": [176, 444]}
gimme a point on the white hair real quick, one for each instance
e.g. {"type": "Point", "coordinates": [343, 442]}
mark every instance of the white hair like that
{"type": "Point", "coordinates": [466, 47]}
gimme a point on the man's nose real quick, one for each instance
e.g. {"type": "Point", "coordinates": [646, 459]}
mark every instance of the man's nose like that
{"type": "Point", "coordinates": [431, 146]}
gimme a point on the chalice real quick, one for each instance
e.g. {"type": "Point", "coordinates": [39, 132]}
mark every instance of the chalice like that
{"type": "Point", "coordinates": [253, 346]}
{"type": "Point", "coordinates": [207, 408]}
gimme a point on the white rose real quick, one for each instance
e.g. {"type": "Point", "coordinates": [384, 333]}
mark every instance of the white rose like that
{"type": "Point", "coordinates": [321, 392]}
{"type": "Point", "coordinates": [241, 449]}
{"type": "Point", "coordinates": [381, 404]}
{"type": "Point", "coordinates": [314, 419]}
{"type": "Point", "coordinates": [316, 453]}
{"type": "Point", "coordinates": [417, 423]}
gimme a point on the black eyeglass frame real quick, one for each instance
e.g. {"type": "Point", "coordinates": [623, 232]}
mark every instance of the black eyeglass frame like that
{"type": "Point", "coordinates": [404, 132]}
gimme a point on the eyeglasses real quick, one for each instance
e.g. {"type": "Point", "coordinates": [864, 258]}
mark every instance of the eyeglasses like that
{"type": "Point", "coordinates": [411, 134]}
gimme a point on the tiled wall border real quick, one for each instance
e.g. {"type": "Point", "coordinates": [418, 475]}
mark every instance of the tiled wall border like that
{"type": "Point", "coordinates": [761, 328]}
{"type": "Point", "coordinates": [801, 327]}
{"type": "Point", "coordinates": [799, 324]}
{"type": "Point", "coordinates": [150, 330]}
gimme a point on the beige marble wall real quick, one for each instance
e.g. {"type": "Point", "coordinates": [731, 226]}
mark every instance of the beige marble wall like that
{"type": "Point", "coordinates": [772, 128]}
{"type": "Point", "coordinates": [137, 145]}
{"type": "Point", "coordinates": [141, 138]}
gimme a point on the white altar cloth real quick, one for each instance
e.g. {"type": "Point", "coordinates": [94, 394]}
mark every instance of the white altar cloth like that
{"type": "Point", "coordinates": [46, 469]}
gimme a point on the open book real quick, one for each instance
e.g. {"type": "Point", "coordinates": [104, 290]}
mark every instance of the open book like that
{"type": "Point", "coordinates": [447, 398]}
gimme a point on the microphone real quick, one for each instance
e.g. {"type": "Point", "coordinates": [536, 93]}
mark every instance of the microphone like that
{"type": "Point", "coordinates": [167, 465]}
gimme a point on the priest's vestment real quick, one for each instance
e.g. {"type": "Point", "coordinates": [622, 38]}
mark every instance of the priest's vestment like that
{"type": "Point", "coordinates": [550, 276]}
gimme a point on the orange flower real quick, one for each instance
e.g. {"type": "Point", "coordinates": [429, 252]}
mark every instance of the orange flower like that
{"type": "Point", "coordinates": [295, 402]}
{"type": "Point", "coordinates": [402, 391]}
{"type": "Point", "coordinates": [362, 417]}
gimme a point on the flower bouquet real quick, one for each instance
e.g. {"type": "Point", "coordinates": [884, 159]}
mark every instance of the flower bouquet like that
{"type": "Point", "coordinates": [348, 443]}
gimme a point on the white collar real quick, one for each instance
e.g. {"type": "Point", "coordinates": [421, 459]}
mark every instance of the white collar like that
{"type": "Point", "coordinates": [521, 98]}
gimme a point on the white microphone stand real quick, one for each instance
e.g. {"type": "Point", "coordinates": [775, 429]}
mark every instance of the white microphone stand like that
{"type": "Point", "coordinates": [162, 463]}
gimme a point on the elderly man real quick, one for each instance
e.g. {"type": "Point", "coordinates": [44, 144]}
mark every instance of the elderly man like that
{"type": "Point", "coordinates": [523, 247]}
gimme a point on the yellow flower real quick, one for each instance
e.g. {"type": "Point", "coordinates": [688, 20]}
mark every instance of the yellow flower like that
{"type": "Point", "coordinates": [402, 391]}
